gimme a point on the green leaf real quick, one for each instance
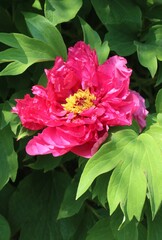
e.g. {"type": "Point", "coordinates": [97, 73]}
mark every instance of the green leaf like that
{"type": "Point", "coordinates": [40, 195]}
{"type": "Point", "coordinates": [87, 223]}
{"type": "Point", "coordinates": [132, 159]}
{"type": "Point", "coordinates": [147, 57]}
{"type": "Point", "coordinates": [123, 189]}
{"type": "Point", "coordinates": [8, 157]}
{"type": "Point", "coordinates": [125, 46]}
{"type": "Point", "coordinates": [45, 31]}
{"type": "Point", "coordinates": [105, 159]}
{"type": "Point", "coordinates": [118, 11]}
{"type": "Point", "coordinates": [159, 75]}
{"type": "Point", "coordinates": [25, 51]}
{"type": "Point", "coordinates": [100, 188]}
{"type": "Point", "coordinates": [142, 232]}
{"type": "Point", "coordinates": [124, 231]}
{"type": "Point", "coordinates": [5, 232]}
{"type": "Point", "coordinates": [158, 102]}
{"type": "Point", "coordinates": [101, 230]}
{"type": "Point", "coordinates": [61, 11]}
{"type": "Point", "coordinates": [154, 227]}
{"type": "Point", "coordinates": [70, 206]}
{"type": "Point", "coordinates": [6, 115]}
{"type": "Point", "coordinates": [143, 164]}
{"type": "Point", "coordinates": [46, 162]}
{"type": "Point", "coordinates": [154, 12]}
{"type": "Point", "coordinates": [155, 131]}
{"type": "Point", "coordinates": [91, 37]}
{"type": "Point", "coordinates": [151, 49]}
{"type": "Point", "coordinates": [5, 195]}
{"type": "Point", "coordinates": [123, 22]}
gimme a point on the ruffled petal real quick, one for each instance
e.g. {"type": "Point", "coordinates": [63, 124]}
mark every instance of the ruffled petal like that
{"type": "Point", "coordinates": [32, 112]}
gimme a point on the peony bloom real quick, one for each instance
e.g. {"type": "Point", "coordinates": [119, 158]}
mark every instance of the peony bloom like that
{"type": "Point", "coordinates": [81, 101]}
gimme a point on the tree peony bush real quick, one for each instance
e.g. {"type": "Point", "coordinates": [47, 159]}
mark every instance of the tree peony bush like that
{"type": "Point", "coordinates": [81, 101]}
{"type": "Point", "coordinates": [80, 120]}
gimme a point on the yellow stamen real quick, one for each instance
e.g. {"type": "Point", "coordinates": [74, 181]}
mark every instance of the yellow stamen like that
{"type": "Point", "coordinates": [80, 101]}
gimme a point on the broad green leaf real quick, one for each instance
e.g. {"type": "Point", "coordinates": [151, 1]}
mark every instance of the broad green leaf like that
{"type": "Point", "coordinates": [154, 12]}
{"type": "Point", "coordinates": [6, 115]}
{"type": "Point", "coordinates": [158, 102]}
{"type": "Point", "coordinates": [147, 56]}
{"type": "Point", "coordinates": [101, 230]}
{"type": "Point", "coordinates": [100, 188]}
{"type": "Point", "coordinates": [123, 22]}
{"type": "Point", "coordinates": [159, 75]}
{"type": "Point", "coordinates": [118, 11]}
{"type": "Point", "coordinates": [91, 37]}
{"type": "Point", "coordinates": [86, 224]}
{"type": "Point", "coordinates": [124, 231]}
{"type": "Point", "coordinates": [46, 162]}
{"type": "Point", "coordinates": [8, 157]}
{"type": "Point", "coordinates": [70, 206]}
{"type": "Point", "coordinates": [5, 232]}
{"type": "Point", "coordinates": [125, 46]}
{"type": "Point", "coordinates": [142, 231]}
{"type": "Point", "coordinates": [25, 51]}
{"type": "Point", "coordinates": [155, 131]}
{"type": "Point", "coordinates": [105, 159]}
{"type": "Point", "coordinates": [127, 185]}
{"type": "Point", "coordinates": [35, 204]}
{"type": "Point", "coordinates": [61, 11]}
{"type": "Point", "coordinates": [154, 231]}
{"type": "Point", "coordinates": [132, 159]}
{"type": "Point", "coordinates": [151, 50]}
{"type": "Point", "coordinates": [44, 31]}
{"type": "Point", "coordinates": [69, 226]}
{"type": "Point", "coordinates": [144, 164]}
{"type": "Point", "coordinates": [5, 195]}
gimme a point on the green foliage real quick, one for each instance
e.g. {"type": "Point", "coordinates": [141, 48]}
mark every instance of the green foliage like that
{"type": "Point", "coordinates": [8, 158]}
{"type": "Point", "coordinates": [5, 232]}
{"type": "Point", "coordinates": [123, 22]}
{"type": "Point", "coordinates": [116, 194]}
{"type": "Point", "coordinates": [91, 37]}
{"type": "Point", "coordinates": [55, 10]}
{"type": "Point", "coordinates": [52, 37]}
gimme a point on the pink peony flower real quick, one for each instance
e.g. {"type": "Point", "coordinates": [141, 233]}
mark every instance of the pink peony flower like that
{"type": "Point", "coordinates": [81, 101]}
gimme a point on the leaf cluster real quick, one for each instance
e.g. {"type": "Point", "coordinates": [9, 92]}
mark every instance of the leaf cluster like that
{"type": "Point", "coordinates": [117, 194]}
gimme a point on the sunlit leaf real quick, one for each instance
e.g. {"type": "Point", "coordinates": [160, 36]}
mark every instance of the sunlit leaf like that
{"type": "Point", "coordinates": [143, 164]}
{"type": "Point", "coordinates": [45, 31]}
{"type": "Point", "coordinates": [25, 51]}
{"type": "Point", "coordinates": [105, 159]}
{"type": "Point", "coordinates": [61, 11]}
{"type": "Point", "coordinates": [137, 168]}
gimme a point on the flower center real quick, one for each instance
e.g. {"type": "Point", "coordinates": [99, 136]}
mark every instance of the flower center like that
{"type": "Point", "coordinates": [80, 101]}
